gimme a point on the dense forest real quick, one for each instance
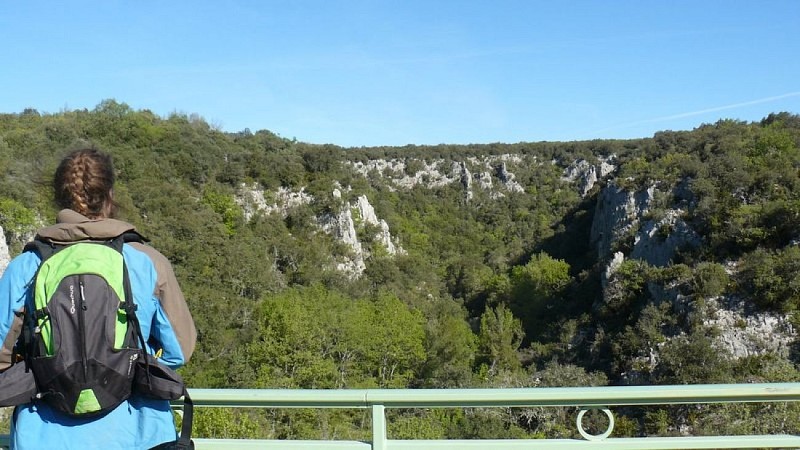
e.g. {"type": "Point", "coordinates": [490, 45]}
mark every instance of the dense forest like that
{"type": "Point", "coordinates": [489, 265]}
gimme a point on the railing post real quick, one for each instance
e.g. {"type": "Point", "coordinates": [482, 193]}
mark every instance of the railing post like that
{"type": "Point", "coordinates": [378, 428]}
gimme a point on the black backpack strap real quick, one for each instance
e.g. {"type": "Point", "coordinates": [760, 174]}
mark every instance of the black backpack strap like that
{"type": "Point", "coordinates": [42, 247]}
{"type": "Point", "coordinates": [45, 249]}
{"type": "Point", "coordinates": [185, 439]}
{"type": "Point", "coordinates": [128, 236]}
{"type": "Point", "coordinates": [130, 307]}
{"type": "Point", "coordinates": [133, 236]}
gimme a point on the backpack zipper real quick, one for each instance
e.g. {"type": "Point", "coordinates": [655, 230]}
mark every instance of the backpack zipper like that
{"type": "Point", "coordinates": [82, 328]}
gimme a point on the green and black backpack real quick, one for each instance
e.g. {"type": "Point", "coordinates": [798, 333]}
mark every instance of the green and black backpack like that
{"type": "Point", "coordinates": [82, 350]}
{"type": "Point", "coordinates": [82, 340]}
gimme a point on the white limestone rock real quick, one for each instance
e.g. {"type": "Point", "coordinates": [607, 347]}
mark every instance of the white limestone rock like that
{"type": "Point", "coordinates": [657, 241]}
{"type": "Point", "coordinates": [508, 179]}
{"type": "Point", "coordinates": [342, 227]}
{"type": "Point", "coordinates": [5, 257]}
{"type": "Point", "coordinates": [253, 200]}
{"type": "Point", "coordinates": [433, 174]}
{"type": "Point", "coordinates": [618, 214]}
{"type": "Point", "coordinates": [367, 213]}
{"type": "Point", "coordinates": [743, 331]}
{"type": "Point", "coordinates": [587, 174]}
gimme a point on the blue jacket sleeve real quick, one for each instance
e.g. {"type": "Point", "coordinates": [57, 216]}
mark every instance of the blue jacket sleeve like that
{"type": "Point", "coordinates": [15, 288]}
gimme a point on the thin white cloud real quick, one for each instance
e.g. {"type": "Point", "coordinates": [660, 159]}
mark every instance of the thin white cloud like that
{"type": "Point", "coordinates": [723, 108]}
{"type": "Point", "coordinates": [701, 112]}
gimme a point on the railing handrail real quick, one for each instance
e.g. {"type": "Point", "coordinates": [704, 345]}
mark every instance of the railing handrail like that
{"type": "Point", "coordinates": [584, 398]}
{"type": "Point", "coordinates": [499, 397]}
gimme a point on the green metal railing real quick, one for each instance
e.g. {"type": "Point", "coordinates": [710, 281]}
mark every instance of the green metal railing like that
{"type": "Point", "coordinates": [585, 398]}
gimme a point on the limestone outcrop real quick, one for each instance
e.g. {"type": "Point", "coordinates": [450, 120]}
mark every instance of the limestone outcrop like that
{"type": "Point", "coordinates": [626, 227]}
{"type": "Point", "coordinates": [436, 173]}
{"type": "Point", "coordinates": [342, 225]}
{"type": "Point", "coordinates": [5, 257]}
{"type": "Point", "coordinates": [587, 174]}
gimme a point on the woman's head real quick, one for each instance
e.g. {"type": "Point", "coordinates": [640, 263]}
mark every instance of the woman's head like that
{"type": "Point", "coordinates": [83, 183]}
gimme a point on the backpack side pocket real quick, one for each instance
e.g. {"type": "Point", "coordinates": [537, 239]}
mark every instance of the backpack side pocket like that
{"type": "Point", "coordinates": [155, 380]}
{"type": "Point", "coordinates": [18, 385]}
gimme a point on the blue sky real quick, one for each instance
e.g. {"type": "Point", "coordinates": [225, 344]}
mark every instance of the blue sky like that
{"type": "Point", "coordinates": [366, 73]}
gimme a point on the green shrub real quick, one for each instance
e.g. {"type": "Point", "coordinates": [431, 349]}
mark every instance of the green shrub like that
{"type": "Point", "coordinates": [710, 279]}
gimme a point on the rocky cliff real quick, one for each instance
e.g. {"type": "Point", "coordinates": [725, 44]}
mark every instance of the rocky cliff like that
{"type": "Point", "coordinates": [343, 225]}
{"type": "Point", "coordinates": [253, 200]}
{"type": "Point", "coordinates": [627, 225]}
{"type": "Point", "coordinates": [586, 174]}
{"type": "Point", "coordinates": [490, 173]}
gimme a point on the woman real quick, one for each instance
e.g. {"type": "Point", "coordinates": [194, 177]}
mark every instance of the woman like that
{"type": "Point", "coordinates": [83, 185]}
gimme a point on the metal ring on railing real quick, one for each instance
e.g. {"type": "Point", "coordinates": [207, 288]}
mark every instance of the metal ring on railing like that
{"type": "Point", "coordinates": [598, 437]}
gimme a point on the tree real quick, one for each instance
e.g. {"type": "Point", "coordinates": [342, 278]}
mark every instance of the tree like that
{"type": "Point", "coordinates": [499, 339]}
{"type": "Point", "coordinates": [536, 291]}
{"type": "Point", "coordinates": [314, 337]}
{"type": "Point", "coordinates": [450, 345]}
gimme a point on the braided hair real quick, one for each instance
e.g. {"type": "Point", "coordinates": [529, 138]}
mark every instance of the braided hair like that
{"type": "Point", "coordinates": [83, 183]}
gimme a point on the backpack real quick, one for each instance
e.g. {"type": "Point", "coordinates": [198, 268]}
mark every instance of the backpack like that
{"type": "Point", "coordinates": [83, 340]}
{"type": "Point", "coordinates": [82, 350]}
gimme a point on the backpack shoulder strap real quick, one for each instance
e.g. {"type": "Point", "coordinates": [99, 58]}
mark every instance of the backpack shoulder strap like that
{"type": "Point", "coordinates": [128, 236]}
{"type": "Point", "coordinates": [129, 305]}
{"type": "Point", "coordinates": [133, 236]}
{"type": "Point", "coordinates": [42, 247]}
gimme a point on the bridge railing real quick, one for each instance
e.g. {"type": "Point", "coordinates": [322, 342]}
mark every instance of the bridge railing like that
{"type": "Point", "coordinates": [584, 398]}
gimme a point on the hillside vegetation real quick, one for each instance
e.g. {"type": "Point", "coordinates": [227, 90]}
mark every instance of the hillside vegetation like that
{"type": "Point", "coordinates": [501, 265]}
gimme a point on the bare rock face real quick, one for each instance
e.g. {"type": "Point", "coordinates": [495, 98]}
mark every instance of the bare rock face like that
{"type": "Point", "coordinates": [622, 215]}
{"type": "Point", "coordinates": [484, 180]}
{"type": "Point", "coordinates": [745, 332]}
{"type": "Point", "coordinates": [617, 215]}
{"type": "Point", "coordinates": [587, 174]}
{"type": "Point", "coordinates": [252, 199]}
{"type": "Point", "coordinates": [466, 179]}
{"type": "Point", "coordinates": [5, 257]}
{"type": "Point", "coordinates": [507, 179]}
{"type": "Point", "coordinates": [658, 240]}
{"type": "Point", "coordinates": [623, 229]}
{"type": "Point", "coordinates": [384, 237]}
{"type": "Point", "coordinates": [433, 174]}
{"type": "Point", "coordinates": [613, 265]}
{"type": "Point", "coordinates": [623, 220]}
{"type": "Point", "coordinates": [342, 227]}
